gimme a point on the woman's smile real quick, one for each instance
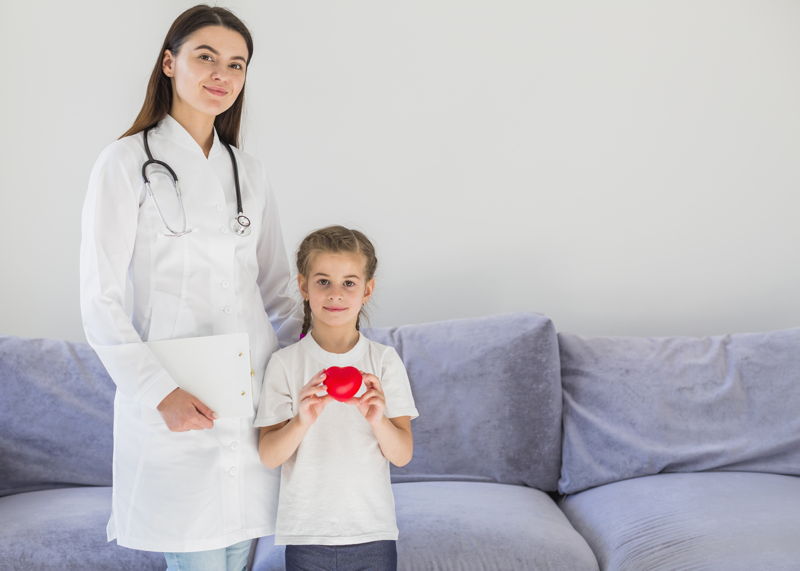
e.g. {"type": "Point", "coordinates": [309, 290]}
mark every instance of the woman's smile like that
{"type": "Point", "coordinates": [219, 91]}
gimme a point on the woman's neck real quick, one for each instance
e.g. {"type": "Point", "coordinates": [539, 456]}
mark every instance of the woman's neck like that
{"type": "Point", "coordinates": [199, 125]}
{"type": "Point", "coordinates": [335, 340]}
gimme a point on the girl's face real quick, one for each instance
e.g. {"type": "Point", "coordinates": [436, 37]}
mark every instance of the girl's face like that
{"type": "Point", "coordinates": [208, 71]}
{"type": "Point", "coordinates": [336, 288]}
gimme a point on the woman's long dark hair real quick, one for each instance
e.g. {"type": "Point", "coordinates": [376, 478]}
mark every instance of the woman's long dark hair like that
{"type": "Point", "coordinates": [158, 99]}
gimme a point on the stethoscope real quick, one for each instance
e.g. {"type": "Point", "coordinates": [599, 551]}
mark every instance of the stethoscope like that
{"type": "Point", "coordinates": [240, 225]}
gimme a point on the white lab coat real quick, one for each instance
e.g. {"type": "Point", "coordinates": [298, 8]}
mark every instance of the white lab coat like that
{"type": "Point", "coordinates": [196, 490]}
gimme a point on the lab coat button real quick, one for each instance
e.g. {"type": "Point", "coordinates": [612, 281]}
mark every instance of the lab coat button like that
{"type": "Point", "coordinates": [226, 309]}
{"type": "Point", "coordinates": [234, 445]}
{"type": "Point", "coordinates": [223, 229]}
{"type": "Point", "coordinates": [232, 470]}
{"type": "Point", "coordinates": [225, 283]}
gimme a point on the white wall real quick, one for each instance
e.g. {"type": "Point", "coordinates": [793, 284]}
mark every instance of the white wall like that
{"type": "Point", "coordinates": [624, 167]}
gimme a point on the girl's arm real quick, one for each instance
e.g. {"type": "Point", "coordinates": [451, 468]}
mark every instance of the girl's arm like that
{"type": "Point", "coordinates": [393, 434]}
{"type": "Point", "coordinates": [395, 439]}
{"type": "Point", "coordinates": [277, 443]}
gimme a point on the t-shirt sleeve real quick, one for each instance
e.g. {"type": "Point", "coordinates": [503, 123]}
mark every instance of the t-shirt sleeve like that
{"type": "Point", "coordinates": [396, 387]}
{"type": "Point", "coordinates": [276, 401]}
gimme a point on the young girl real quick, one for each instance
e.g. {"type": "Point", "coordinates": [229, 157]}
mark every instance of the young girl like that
{"type": "Point", "coordinates": [336, 509]}
{"type": "Point", "coordinates": [167, 259]}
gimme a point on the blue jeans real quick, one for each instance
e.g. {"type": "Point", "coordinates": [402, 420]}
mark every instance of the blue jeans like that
{"type": "Point", "coordinates": [232, 558]}
{"type": "Point", "coordinates": [372, 556]}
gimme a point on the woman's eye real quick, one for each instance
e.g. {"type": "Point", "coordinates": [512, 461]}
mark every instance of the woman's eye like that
{"type": "Point", "coordinates": [349, 283]}
{"type": "Point", "coordinates": [237, 66]}
{"type": "Point", "coordinates": [206, 57]}
{"type": "Point", "coordinates": [322, 282]}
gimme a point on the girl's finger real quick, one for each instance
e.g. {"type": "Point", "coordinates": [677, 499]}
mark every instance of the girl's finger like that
{"type": "Point", "coordinates": [316, 399]}
{"type": "Point", "coordinates": [372, 393]}
{"type": "Point", "coordinates": [373, 400]}
{"type": "Point", "coordinates": [312, 390]}
{"type": "Point", "coordinates": [316, 379]}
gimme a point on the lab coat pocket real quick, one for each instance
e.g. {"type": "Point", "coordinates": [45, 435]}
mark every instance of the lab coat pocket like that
{"type": "Point", "coordinates": [180, 483]}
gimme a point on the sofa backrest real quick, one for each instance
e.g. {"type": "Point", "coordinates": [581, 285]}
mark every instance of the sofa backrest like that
{"type": "Point", "coordinates": [56, 408]}
{"type": "Point", "coordinates": [640, 406]}
{"type": "Point", "coordinates": [488, 392]}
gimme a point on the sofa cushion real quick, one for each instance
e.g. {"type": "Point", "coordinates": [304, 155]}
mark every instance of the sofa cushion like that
{"type": "Point", "coordinates": [731, 521]}
{"type": "Point", "coordinates": [64, 529]}
{"type": "Point", "coordinates": [476, 526]}
{"type": "Point", "coordinates": [641, 406]}
{"type": "Point", "coordinates": [55, 415]}
{"type": "Point", "coordinates": [488, 391]}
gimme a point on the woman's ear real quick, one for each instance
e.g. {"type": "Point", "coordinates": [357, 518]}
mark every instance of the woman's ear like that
{"type": "Point", "coordinates": [168, 63]}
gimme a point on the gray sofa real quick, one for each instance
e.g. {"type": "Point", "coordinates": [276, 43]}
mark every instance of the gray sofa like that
{"type": "Point", "coordinates": [533, 450]}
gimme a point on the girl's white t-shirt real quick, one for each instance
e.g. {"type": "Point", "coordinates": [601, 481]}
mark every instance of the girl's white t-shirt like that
{"type": "Point", "coordinates": [336, 488]}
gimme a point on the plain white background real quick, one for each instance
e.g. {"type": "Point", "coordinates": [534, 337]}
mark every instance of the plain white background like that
{"type": "Point", "coordinates": [624, 167]}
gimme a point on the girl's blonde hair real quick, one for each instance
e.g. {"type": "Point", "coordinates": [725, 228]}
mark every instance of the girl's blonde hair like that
{"type": "Point", "coordinates": [334, 239]}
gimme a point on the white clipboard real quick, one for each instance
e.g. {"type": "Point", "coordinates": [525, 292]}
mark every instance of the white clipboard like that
{"type": "Point", "coordinates": [215, 369]}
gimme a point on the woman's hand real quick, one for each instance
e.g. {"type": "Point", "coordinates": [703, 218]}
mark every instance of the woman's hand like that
{"type": "Point", "coordinates": [373, 402]}
{"type": "Point", "coordinates": [311, 405]}
{"type": "Point", "coordinates": [182, 411]}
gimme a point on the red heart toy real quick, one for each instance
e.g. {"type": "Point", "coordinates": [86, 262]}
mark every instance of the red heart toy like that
{"type": "Point", "coordinates": [342, 383]}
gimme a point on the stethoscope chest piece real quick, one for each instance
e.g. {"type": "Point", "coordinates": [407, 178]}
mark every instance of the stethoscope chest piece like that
{"type": "Point", "coordinates": [240, 225]}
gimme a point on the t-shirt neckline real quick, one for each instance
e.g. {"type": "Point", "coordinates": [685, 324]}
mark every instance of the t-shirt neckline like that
{"type": "Point", "coordinates": [329, 359]}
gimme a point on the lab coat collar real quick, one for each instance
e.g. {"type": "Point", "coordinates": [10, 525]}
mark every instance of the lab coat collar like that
{"type": "Point", "coordinates": [175, 132]}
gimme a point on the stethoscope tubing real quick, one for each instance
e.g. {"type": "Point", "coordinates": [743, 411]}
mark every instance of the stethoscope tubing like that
{"type": "Point", "coordinates": [175, 233]}
{"type": "Point", "coordinates": [240, 223]}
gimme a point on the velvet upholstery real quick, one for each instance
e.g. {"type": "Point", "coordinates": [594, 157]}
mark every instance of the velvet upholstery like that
{"type": "Point", "coordinates": [489, 434]}
{"type": "Point", "coordinates": [65, 530]}
{"type": "Point", "coordinates": [641, 406]}
{"type": "Point", "coordinates": [452, 526]}
{"type": "Point", "coordinates": [714, 521]}
{"type": "Point", "coordinates": [56, 415]}
{"type": "Point", "coordinates": [489, 396]}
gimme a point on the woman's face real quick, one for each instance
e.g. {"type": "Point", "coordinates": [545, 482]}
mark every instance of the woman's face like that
{"type": "Point", "coordinates": [208, 71]}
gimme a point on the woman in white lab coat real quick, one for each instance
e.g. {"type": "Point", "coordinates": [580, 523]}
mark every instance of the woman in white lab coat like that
{"type": "Point", "coordinates": [157, 266]}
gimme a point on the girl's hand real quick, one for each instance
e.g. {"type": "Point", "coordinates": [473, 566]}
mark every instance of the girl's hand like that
{"type": "Point", "coordinates": [373, 402]}
{"type": "Point", "coordinates": [311, 405]}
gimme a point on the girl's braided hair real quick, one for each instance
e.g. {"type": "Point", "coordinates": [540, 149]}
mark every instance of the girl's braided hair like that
{"type": "Point", "coordinates": [334, 239]}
